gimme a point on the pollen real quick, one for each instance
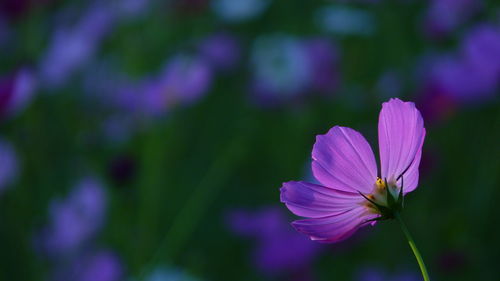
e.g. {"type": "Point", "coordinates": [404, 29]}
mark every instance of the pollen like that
{"type": "Point", "coordinates": [380, 184]}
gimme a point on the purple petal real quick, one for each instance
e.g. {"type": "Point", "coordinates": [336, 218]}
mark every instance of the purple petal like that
{"type": "Point", "coordinates": [316, 201]}
{"type": "Point", "coordinates": [343, 159]}
{"type": "Point", "coordinates": [401, 134]}
{"type": "Point", "coordinates": [410, 178]}
{"type": "Point", "coordinates": [334, 228]}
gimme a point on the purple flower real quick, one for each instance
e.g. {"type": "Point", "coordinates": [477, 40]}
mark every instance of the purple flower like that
{"type": "Point", "coordinates": [282, 69]}
{"type": "Point", "coordinates": [443, 16]}
{"type": "Point", "coordinates": [16, 91]}
{"type": "Point", "coordinates": [101, 265]}
{"type": "Point", "coordinates": [71, 47]}
{"type": "Point", "coordinates": [462, 81]}
{"type": "Point", "coordinates": [323, 56]}
{"type": "Point", "coordinates": [9, 166]}
{"type": "Point", "coordinates": [375, 274]}
{"type": "Point", "coordinates": [344, 20]}
{"type": "Point", "coordinates": [74, 220]}
{"type": "Point", "coordinates": [481, 50]}
{"type": "Point", "coordinates": [350, 194]}
{"type": "Point", "coordinates": [184, 80]}
{"type": "Point", "coordinates": [221, 50]}
{"type": "Point", "coordinates": [279, 249]}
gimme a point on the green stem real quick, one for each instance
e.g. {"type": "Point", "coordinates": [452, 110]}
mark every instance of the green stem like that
{"type": "Point", "coordinates": [413, 247]}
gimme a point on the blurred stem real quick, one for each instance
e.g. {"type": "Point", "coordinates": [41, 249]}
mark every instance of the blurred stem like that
{"type": "Point", "coordinates": [413, 247]}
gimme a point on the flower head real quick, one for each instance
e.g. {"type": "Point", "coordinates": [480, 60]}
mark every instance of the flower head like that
{"type": "Point", "coordinates": [350, 194]}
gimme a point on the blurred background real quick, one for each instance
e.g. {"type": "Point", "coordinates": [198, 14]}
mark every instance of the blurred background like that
{"type": "Point", "coordinates": [148, 139]}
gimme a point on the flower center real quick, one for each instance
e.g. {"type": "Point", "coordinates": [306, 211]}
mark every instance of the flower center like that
{"type": "Point", "coordinates": [384, 195]}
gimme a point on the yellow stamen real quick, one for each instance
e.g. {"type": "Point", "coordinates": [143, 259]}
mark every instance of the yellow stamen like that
{"type": "Point", "coordinates": [380, 184]}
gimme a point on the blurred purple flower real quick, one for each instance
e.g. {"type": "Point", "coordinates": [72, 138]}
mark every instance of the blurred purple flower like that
{"type": "Point", "coordinates": [16, 92]}
{"type": "Point", "coordinates": [468, 77]}
{"type": "Point", "coordinates": [344, 20]}
{"type": "Point", "coordinates": [443, 16]}
{"type": "Point", "coordinates": [221, 50]}
{"type": "Point", "coordinates": [239, 10]}
{"type": "Point", "coordinates": [72, 47]}
{"type": "Point", "coordinates": [324, 59]}
{"type": "Point", "coordinates": [102, 265]}
{"type": "Point", "coordinates": [375, 274]}
{"type": "Point", "coordinates": [9, 166]}
{"type": "Point", "coordinates": [282, 69]}
{"type": "Point", "coordinates": [279, 248]}
{"type": "Point", "coordinates": [183, 81]}
{"type": "Point", "coordinates": [74, 220]}
{"type": "Point", "coordinates": [481, 50]}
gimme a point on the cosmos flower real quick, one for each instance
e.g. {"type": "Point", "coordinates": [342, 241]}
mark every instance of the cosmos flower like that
{"type": "Point", "coordinates": [72, 46]}
{"type": "Point", "coordinates": [281, 68]}
{"type": "Point", "coordinates": [480, 50]}
{"type": "Point", "coordinates": [184, 80]}
{"type": "Point", "coordinates": [350, 194]}
{"type": "Point", "coordinates": [74, 220]}
{"type": "Point", "coordinates": [472, 75]}
{"type": "Point", "coordinates": [279, 249]}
